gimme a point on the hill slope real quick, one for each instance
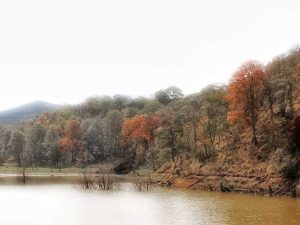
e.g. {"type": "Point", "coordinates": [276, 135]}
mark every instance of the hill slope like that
{"type": "Point", "coordinates": [25, 112]}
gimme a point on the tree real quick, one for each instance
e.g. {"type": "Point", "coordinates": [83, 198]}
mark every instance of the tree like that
{"type": "Point", "coordinates": [138, 135]}
{"type": "Point", "coordinates": [113, 127]}
{"type": "Point", "coordinates": [120, 102]}
{"type": "Point", "coordinates": [139, 102]}
{"type": "Point", "coordinates": [213, 113]}
{"type": "Point", "coordinates": [71, 141]}
{"type": "Point", "coordinates": [140, 128]}
{"type": "Point", "coordinates": [168, 95]}
{"type": "Point", "coordinates": [283, 74]}
{"type": "Point", "coordinates": [96, 106]}
{"type": "Point", "coordinates": [36, 146]}
{"type": "Point", "coordinates": [52, 145]}
{"type": "Point", "coordinates": [91, 107]}
{"type": "Point", "coordinates": [17, 146]}
{"type": "Point", "coordinates": [5, 141]}
{"type": "Point", "coordinates": [295, 133]}
{"type": "Point", "coordinates": [94, 140]}
{"type": "Point", "coordinates": [151, 107]}
{"type": "Point", "coordinates": [170, 130]}
{"type": "Point", "coordinates": [244, 93]}
{"type": "Point", "coordinates": [189, 119]}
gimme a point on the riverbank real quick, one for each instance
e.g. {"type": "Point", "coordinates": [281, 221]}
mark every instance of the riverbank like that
{"type": "Point", "coordinates": [94, 169]}
{"type": "Point", "coordinates": [170, 176]}
{"type": "Point", "coordinates": [209, 178]}
{"type": "Point", "coordinates": [47, 175]}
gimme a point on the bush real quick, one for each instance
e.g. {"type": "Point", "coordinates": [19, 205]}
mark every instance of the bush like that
{"type": "Point", "coordinates": [124, 167]}
{"type": "Point", "coordinates": [207, 156]}
{"type": "Point", "coordinates": [290, 169]}
{"type": "Point", "coordinates": [286, 164]}
{"type": "Point", "coordinates": [164, 156]}
{"type": "Point", "coordinates": [295, 131]}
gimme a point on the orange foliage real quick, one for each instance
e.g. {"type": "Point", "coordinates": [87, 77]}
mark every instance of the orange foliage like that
{"type": "Point", "coordinates": [72, 129]}
{"type": "Point", "coordinates": [140, 127]}
{"type": "Point", "coordinates": [71, 141]}
{"type": "Point", "coordinates": [65, 143]}
{"type": "Point", "coordinates": [44, 119]}
{"type": "Point", "coordinates": [244, 92]}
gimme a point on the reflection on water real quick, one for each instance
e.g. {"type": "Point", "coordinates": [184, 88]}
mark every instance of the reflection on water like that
{"type": "Point", "coordinates": [68, 204]}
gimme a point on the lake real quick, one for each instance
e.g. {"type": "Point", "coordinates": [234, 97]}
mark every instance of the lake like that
{"type": "Point", "coordinates": [67, 203]}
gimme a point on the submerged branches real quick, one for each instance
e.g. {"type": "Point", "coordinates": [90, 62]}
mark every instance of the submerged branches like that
{"type": "Point", "coordinates": [143, 185]}
{"type": "Point", "coordinates": [104, 182]}
{"type": "Point", "coordinates": [22, 176]}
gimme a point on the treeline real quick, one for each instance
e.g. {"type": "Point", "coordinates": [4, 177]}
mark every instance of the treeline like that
{"type": "Point", "coordinates": [258, 111]}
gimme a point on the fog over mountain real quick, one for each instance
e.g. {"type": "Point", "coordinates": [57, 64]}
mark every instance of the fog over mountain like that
{"type": "Point", "coordinates": [26, 111]}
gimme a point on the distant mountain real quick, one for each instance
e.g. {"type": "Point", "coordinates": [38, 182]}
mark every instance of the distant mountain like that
{"type": "Point", "coordinates": [25, 112]}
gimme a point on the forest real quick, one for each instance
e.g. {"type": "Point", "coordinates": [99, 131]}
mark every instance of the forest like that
{"type": "Point", "coordinates": [253, 120]}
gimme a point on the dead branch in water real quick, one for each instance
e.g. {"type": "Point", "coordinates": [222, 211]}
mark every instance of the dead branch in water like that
{"type": "Point", "coordinates": [143, 185]}
{"type": "Point", "coordinates": [23, 176]}
{"type": "Point", "coordinates": [87, 181]}
{"type": "Point", "coordinates": [105, 183]}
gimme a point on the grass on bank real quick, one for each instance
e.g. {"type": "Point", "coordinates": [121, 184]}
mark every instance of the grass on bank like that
{"type": "Point", "coordinates": [42, 170]}
{"type": "Point", "coordinates": [94, 169]}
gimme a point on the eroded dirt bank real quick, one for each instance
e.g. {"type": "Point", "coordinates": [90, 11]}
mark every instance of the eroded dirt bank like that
{"type": "Point", "coordinates": [210, 177]}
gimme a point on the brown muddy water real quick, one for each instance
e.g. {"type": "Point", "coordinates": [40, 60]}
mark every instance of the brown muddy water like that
{"type": "Point", "coordinates": [62, 201]}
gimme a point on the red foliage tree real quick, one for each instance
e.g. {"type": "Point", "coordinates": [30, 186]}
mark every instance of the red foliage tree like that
{"type": "Point", "coordinates": [71, 141]}
{"type": "Point", "coordinates": [244, 94]}
{"type": "Point", "coordinates": [140, 128]}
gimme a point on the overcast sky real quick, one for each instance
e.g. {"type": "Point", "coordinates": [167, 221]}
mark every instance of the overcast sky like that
{"type": "Point", "coordinates": [65, 51]}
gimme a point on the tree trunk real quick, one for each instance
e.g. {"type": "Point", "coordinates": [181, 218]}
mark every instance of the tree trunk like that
{"type": "Point", "coordinates": [252, 116]}
{"type": "Point", "coordinates": [254, 139]}
{"type": "Point", "coordinates": [173, 149]}
{"type": "Point", "coordinates": [173, 154]}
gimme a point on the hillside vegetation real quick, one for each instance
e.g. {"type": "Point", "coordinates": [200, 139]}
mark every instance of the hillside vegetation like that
{"type": "Point", "coordinates": [25, 112]}
{"type": "Point", "coordinates": [240, 137]}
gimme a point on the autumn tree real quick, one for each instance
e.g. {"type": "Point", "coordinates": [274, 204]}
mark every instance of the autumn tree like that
{"type": "Point", "coordinates": [244, 94]}
{"type": "Point", "coordinates": [71, 141]}
{"type": "Point", "coordinates": [140, 128]}
{"type": "Point", "coordinates": [138, 134]}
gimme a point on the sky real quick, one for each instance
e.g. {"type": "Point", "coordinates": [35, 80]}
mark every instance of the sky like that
{"type": "Point", "coordinates": [63, 51]}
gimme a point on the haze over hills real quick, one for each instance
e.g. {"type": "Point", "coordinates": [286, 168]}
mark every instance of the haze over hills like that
{"type": "Point", "coordinates": [26, 111]}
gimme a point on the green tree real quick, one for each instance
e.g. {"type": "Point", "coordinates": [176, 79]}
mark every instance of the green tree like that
{"type": "Point", "coordinates": [37, 150]}
{"type": "Point", "coordinates": [113, 127]}
{"type": "Point", "coordinates": [120, 102]}
{"type": "Point", "coordinates": [94, 140]}
{"type": "Point", "coordinates": [168, 95]}
{"type": "Point", "coordinates": [170, 130]}
{"type": "Point", "coordinates": [52, 145]}
{"type": "Point", "coordinates": [17, 145]}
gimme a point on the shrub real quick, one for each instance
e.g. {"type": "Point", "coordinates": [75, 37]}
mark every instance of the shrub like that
{"type": "Point", "coordinates": [286, 164]}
